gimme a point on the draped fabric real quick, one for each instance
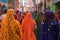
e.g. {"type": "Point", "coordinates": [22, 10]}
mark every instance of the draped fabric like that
{"type": "Point", "coordinates": [10, 29]}
{"type": "Point", "coordinates": [49, 30]}
{"type": "Point", "coordinates": [28, 27]}
{"type": "Point", "coordinates": [49, 27]}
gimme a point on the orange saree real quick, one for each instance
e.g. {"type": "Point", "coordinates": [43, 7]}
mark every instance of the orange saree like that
{"type": "Point", "coordinates": [11, 29]}
{"type": "Point", "coordinates": [28, 27]}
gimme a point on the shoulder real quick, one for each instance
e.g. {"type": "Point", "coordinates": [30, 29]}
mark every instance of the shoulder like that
{"type": "Point", "coordinates": [17, 22]}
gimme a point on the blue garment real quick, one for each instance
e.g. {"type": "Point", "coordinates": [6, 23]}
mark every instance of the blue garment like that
{"type": "Point", "coordinates": [59, 30]}
{"type": "Point", "coordinates": [5, 8]}
{"type": "Point", "coordinates": [49, 30]}
{"type": "Point", "coordinates": [5, 1]}
{"type": "Point", "coordinates": [0, 0]}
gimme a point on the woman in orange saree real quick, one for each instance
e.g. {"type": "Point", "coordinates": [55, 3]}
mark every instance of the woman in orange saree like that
{"type": "Point", "coordinates": [28, 27]}
{"type": "Point", "coordinates": [10, 29]}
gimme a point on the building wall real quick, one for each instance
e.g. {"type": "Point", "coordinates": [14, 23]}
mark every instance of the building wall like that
{"type": "Point", "coordinates": [28, 1]}
{"type": "Point", "coordinates": [4, 2]}
{"type": "Point", "coordinates": [27, 5]}
{"type": "Point", "coordinates": [43, 2]}
{"type": "Point", "coordinates": [47, 3]}
{"type": "Point", "coordinates": [12, 2]}
{"type": "Point", "coordinates": [17, 5]}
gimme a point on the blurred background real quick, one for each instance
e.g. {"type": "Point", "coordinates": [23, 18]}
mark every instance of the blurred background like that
{"type": "Point", "coordinates": [36, 6]}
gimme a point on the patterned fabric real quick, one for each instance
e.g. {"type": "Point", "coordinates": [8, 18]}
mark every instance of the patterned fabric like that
{"type": "Point", "coordinates": [28, 27]}
{"type": "Point", "coordinates": [49, 27]}
{"type": "Point", "coordinates": [49, 30]}
{"type": "Point", "coordinates": [10, 29]}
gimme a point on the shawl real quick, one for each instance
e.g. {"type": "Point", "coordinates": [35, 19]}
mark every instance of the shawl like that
{"type": "Point", "coordinates": [10, 29]}
{"type": "Point", "coordinates": [49, 14]}
{"type": "Point", "coordinates": [28, 27]}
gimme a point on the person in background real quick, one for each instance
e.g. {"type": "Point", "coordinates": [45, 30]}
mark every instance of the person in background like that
{"type": "Point", "coordinates": [19, 16]}
{"type": "Point", "coordinates": [28, 27]}
{"type": "Point", "coordinates": [38, 19]}
{"type": "Point", "coordinates": [49, 27]}
{"type": "Point", "coordinates": [10, 29]}
{"type": "Point", "coordinates": [3, 15]}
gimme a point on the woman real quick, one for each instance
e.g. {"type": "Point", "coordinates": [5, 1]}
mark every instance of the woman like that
{"type": "Point", "coordinates": [28, 27]}
{"type": "Point", "coordinates": [49, 27]}
{"type": "Point", "coordinates": [39, 18]}
{"type": "Point", "coordinates": [11, 29]}
{"type": "Point", "coordinates": [19, 16]}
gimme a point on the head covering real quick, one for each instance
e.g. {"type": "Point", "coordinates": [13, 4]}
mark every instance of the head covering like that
{"type": "Point", "coordinates": [58, 14]}
{"type": "Point", "coordinates": [28, 27]}
{"type": "Point", "coordinates": [11, 29]}
{"type": "Point", "coordinates": [28, 16]}
{"type": "Point", "coordinates": [49, 14]}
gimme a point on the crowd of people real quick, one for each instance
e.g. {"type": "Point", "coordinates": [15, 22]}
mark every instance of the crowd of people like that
{"type": "Point", "coordinates": [15, 25]}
